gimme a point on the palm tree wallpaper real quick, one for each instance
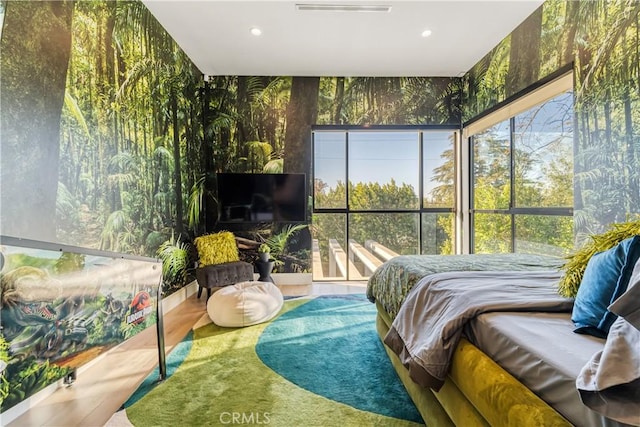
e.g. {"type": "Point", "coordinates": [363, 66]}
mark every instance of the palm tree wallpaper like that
{"type": "Point", "coordinates": [111, 139]}
{"type": "Point", "coordinates": [98, 105]}
{"type": "Point", "coordinates": [100, 116]}
{"type": "Point", "coordinates": [600, 39]}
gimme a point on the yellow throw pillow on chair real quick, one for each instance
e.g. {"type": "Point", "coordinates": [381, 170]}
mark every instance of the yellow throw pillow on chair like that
{"type": "Point", "coordinates": [217, 248]}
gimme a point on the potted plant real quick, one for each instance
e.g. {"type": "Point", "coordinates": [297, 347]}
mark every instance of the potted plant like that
{"type": "Point", "coordinates": [264, 252]}
{"type": "Point", "coordinates": [177, 262]}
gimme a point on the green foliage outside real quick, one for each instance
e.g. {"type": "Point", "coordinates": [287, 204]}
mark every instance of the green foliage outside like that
{"type": "Point", "coordinates": [397, 231]}
{"type": "Point", "coordinates": [541, 176]}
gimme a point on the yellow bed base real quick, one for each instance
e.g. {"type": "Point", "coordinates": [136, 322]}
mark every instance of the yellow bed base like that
{"type": "Point", "coordinates": [477, 392]}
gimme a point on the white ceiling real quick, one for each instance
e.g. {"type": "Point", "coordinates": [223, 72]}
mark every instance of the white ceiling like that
{"type": "Point", "coordinates": [216, 36]}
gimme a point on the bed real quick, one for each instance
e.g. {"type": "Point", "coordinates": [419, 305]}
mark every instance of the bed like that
{"type": "Point", "coordinates": [512, 360]}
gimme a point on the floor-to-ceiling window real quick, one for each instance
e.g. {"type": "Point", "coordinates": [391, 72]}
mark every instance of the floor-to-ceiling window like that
{"type": "Point", "coordinates": [522, 181]}
{"type": "Point", "coordinates": [380, 193]}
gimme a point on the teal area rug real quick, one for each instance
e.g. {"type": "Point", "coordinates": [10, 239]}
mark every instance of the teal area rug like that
{"type": "Point", "coordinates": [330, 347]}
{"type": "Point", "coordinates": [319, 363]}
{"type": "Point", "coordinates": [174, 359]}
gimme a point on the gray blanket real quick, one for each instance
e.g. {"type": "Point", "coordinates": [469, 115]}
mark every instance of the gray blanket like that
{"type": "Point", "coordinates": [610, 383]}
{"type": "Point", "coordinates": [429, 325]}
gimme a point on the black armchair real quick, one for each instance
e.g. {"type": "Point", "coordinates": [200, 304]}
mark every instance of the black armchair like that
{"type": "Point", "coordinates": [225, 274]}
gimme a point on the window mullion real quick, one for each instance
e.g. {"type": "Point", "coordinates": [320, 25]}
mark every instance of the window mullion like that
{"type": "Point", "coordinates": [346, 193]}
{"type": "Point", "coordinates": [512, 180]}
{"type": "Point", "coordinates": [420, 187]}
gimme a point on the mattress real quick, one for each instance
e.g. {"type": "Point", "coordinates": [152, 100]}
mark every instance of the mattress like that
{"type": "Point", "coordinates": [392, 281]}
{"type": "Point", "coordinates": [541, 351]}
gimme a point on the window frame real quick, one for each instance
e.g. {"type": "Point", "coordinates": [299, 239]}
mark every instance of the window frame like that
{"type": "Point", "coordinates": [420, 210]}
{"type": "Point", "coordinates": [529, 98]}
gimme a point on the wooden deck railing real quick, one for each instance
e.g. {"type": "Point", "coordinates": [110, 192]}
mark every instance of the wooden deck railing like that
{"type": "Point", "coordinates": [361, 261]}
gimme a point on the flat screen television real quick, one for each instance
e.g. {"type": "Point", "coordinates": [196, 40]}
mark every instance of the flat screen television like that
{"type": "Point", "coordinates": [262, 197]}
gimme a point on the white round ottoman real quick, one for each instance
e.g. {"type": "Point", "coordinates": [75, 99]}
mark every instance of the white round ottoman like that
{"type": "Point", "coordinates": [244, 304]}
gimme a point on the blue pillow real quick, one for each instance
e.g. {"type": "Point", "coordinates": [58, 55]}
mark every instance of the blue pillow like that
{"type": "Point", "coordinates": [605, 279]}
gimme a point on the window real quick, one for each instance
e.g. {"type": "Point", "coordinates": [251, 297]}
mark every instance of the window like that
{"type": "Point", "coordinates": [399, 198]}
{"type": "Point", "coordinates": [522, 181]}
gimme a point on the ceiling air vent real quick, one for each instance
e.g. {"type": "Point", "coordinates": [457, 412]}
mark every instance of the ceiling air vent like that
{"type": "Point", "coordinates": [342, 7]}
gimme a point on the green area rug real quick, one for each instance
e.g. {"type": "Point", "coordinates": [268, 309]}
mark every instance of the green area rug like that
{"type": "Point", "coordinates": [319, 363]}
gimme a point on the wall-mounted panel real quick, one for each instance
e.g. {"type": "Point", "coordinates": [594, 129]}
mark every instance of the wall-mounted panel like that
{"type": "Point", "coordinates": [61, 309]}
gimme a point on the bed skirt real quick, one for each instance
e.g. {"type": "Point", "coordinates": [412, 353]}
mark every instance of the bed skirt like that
{"type": "Point", "coordinates": [477, 392]}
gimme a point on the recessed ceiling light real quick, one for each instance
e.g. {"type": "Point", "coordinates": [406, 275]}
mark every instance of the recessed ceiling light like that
{"type": "Point", "coordinates": [426, 33]}
{"type": "Point", "coordinates": [256, 31]}
{"type": "Point", "coordinates": [343, 7]}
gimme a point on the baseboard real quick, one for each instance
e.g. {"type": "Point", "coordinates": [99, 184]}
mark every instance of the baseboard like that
{"type": "Point", "coordinates": [17, 410]}
{"type": "Point", "coordinates": [292, 284]}
{"type": "Point", "coordinates": [289, 279]}
{"type": "Point", "coordinates": [286, 279]}
{"type": "Point", "coordinates": [172, 301]}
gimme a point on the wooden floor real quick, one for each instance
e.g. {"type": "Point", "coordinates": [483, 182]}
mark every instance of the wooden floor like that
{"type": "Point", "coordinates": [101, 388]}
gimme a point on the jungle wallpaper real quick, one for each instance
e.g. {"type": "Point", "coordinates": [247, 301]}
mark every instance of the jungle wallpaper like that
{"type": "Point", "coordinates": [87, 159]}
{"type": "Point", "coordinates": [111, 139]}
{"type": "Point", "coordinates": [100, 116]}
{"type": "Point", "coordinates": [600, 38]}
